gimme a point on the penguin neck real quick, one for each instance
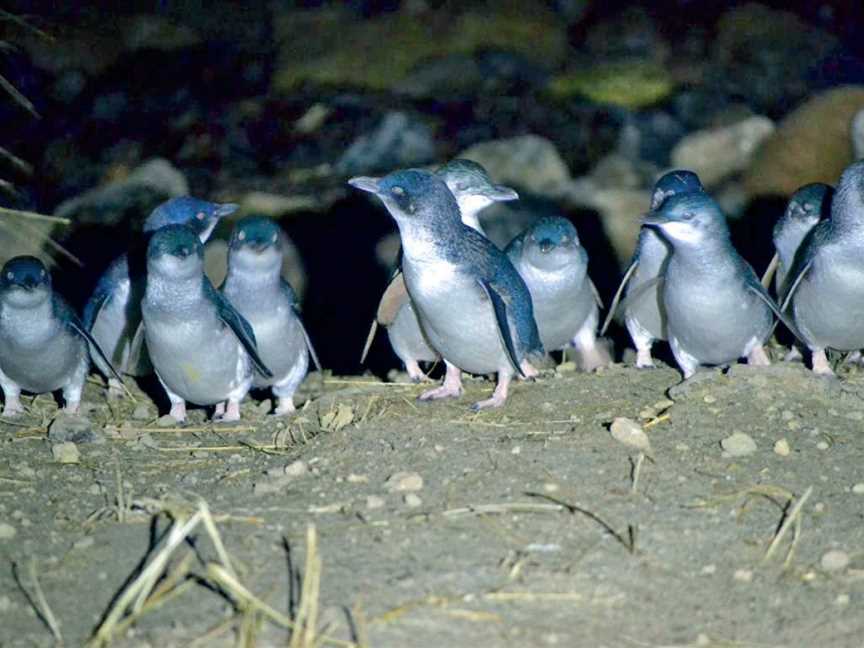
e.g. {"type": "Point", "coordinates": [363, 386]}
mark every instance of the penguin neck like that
{"type": "Point", "coordinates": [253, 285]}
{"type": "Point", "coordinates": [35, 322]}
{"type": "Point", "coordinates": [421, 242]}
{"type": "Point", "coordinates": [471, 218]}
{"type": "Point", "coordinates": [712, 257]}
{"type": "Point", "coordinates": [173, 294]}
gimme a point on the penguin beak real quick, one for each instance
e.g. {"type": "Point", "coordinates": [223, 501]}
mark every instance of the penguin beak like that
{"type": "Point", "coordinates": [546, 245]}
{"type": "Point", "coordinates": [365, 183]}
{"type": "Point", "coordinates": [225, 209]}
{"type": "Point", "coordinates": [500, 193]}
{"type": "Point", "coordinates": [654, 219]}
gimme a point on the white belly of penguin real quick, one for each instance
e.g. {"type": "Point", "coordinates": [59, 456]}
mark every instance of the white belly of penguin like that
{"type": "Point", "coordinates": [201, 361]}
{"type": "Point", "coordinates": [456, 316]}
{"type": "Point", "coordinates": [111, 325]}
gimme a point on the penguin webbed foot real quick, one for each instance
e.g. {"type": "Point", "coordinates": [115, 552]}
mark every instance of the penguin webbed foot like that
{"type": "Point", "coordinates": [450, 388]}
{"type": "Point", "coordinates": [499, 396]}
{"type": "Point", "coordinates": [285, 407]}
{"type": "Point", "coordinates": [178, 412]}
{"type": "Point", "coordinates": [229, 413]}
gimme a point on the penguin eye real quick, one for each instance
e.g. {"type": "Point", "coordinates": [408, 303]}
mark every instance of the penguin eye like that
{"type": "Point", "coordinates": [241, 236]}
{"type": "Point", "coordinates": [397, 191]}
{"type": "Point", "coordinates": [565, 240]}
{"type": "Point", "coordinates": [200, 215]}
{"type": "Point", "coordinates": [10, 276]}
{"type": "Point", "coordinates": [688, 215]}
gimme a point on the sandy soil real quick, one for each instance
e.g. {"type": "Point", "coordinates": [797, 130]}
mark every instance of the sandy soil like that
{"type": "Point", "coordinates": [531, 526]}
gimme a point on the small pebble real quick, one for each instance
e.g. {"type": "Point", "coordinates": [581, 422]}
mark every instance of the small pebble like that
{"type": "Point", "coordinates": [296, 469]}
{"type": "Point", "coordinates": [738, 445]}
{"type": "Point", "coordinates": [413, 500]}
{"type": "Point", "coordinates": [781, 447]}
{"type": "Point", "coordinates": [142, 413]}
{"type": "Point", "coordinates": [858, 488]}
{"type": "Point", "coordinates": [842, 600]}
{"type": "Point", "coordinates": [709, 399]}
{"type": "Point", "coordinates": [402, 482]}
{"type": "Point", "coordinates": [835, 560]}
{"type": "Point", "coordinates": [709, 570]}
{"type": "Point", "coordinates": [7, 531]}
{"type": "Point", "coordinates": [358, 479]}
{"type": "Point", "coordinates": [374, 502]}
{"type": "Point", "coordinates": [84, 543]}
{"type": "Point", "coordinates": [822, 445]}
{"type": "Point", "coordinates": [629, 432]}
{"type": "Point", "coordinates": [166, 421]}
{"type": "Point", "coordinates": [66, 453]}
{"type": "Point", "coordinates": [5, 604]}
{"type": "Point", "coordinates": [744, 575]}
{"type": "Point", "coordinates": [550, 487]}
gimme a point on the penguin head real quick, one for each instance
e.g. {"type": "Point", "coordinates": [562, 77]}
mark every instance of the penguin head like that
{"type": "Point", "coordinates": [25, 281]}
{"type": "Point", "coordinates": [689, 220]}
{"type": "Point", "coordinates": [810, 204]}
{"type": "Point", "coordinates": [412, 196]}
{"type": "Point", "coordinates": [675, 182]}
{"type": "Point", "coordinates": [256, 243]}
{"type": "Point", "coordinates": [175, 252]}
{"type": "Point", "coordinates": [200, 215]}
{"type": "Point", "coordinates": [470, 185]}
{"type": "Point", "coordinates": [551, 243]}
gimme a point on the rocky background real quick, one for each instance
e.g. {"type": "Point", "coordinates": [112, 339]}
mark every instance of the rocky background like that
{"type": "Point", "coordinates": [577, 104]}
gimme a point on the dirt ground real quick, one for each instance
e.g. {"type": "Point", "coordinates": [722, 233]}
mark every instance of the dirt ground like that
{"type": "Point", "coordinates": [532, 526]}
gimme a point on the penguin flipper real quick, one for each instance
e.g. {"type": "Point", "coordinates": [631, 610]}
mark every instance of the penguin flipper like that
{"type": "Point", "coordinates": [238, 324]}
{"type": "Point", "coordinates": [613, 308]}
{"type": "Point", "coordinates": [642, 288]}
{"type": "Point", "coordinates": [309, 346]}
{"type": "Point", "coordinates": [760, 291]}
{"type": "Point", "coordinates": [597, 298]}
{"type": "Point", "coordinates": [500, 309]}
{"type": "Point", "coordinates": [369, 338]}
{"type": "Point", "coordinates": [787, 298]}
{"type": "Point", "coordinates": [770, 271]}
{"type": "Point", "coordinates": [67, 315]}
{"type": "Point", "coordinates": [394, 297]}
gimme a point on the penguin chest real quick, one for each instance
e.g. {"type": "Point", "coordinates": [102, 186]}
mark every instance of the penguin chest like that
{"type": "Point", "coordinates": [829, 304]}
{"type": "Point", "coordinates": [42, 357]}
{"type": "Point", "coordinates": [644, 304]}
{"type": "Point", "coordinates": [456, 315]}
{"type": "Point", "coordinates": [279, 338]}
{"type": "Point", "coordinates": [562, 305]}
{"type": "Point", "coordinates": [116, 324]}
{"type": "Point", "coordinates": [197, 357]}
{"type": "Point", "coordinates": [715, 323]}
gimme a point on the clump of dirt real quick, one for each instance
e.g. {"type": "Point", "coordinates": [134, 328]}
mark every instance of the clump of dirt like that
{"type": "Point", "coordinates": [530, 525]}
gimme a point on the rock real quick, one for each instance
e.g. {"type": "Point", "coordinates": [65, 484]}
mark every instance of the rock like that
{"type": "Point", "coordinates": [128, 200]}
{"type": "Point", "coordinates": [631, 85]}
{"type": "Point", "coordinates": [766, 56]}
{"type": "Point", "coordinates": [718, 153]}
{"type": "Point", "coordinates": [620, 211]}
{"type": "Point", "coordinates": [527, 162]}
{"type": "Point", "coordinates": [738, 445]}
{"type": "Point", "coordinates": [781, 447]}
{"type": "Point", "coordinates": [629, 432]}
{"type": "Point", "coordinates": [858, 135]}
{"type": "Point", "coordinates": [412, 500]}
{"type": "Point", "coordinates": [296, 469]}
{"type": "Point", "coordinates": [166, 421]}
{"type": "Point", "coordinates": [7, 531]}
{"type": "Point", "coordinates": [403, 482]}
{"type": "Point", "coordinates": [374, 502]}
{"type": "Point", "coordinates": [858, 489]}
{"type": "Point", "coordinates": [142, 412]}
{"type": "Point", "coordinates": [743, 575]}
{"type": "Point", "coordinates": [399, 140]}
{"type": "Point", "coordinates": [834, 560]}
{"type": "Point", "coordinates": [77, 429]}
{"type": "Point", "coordinates": [813, 143]}
{"type": "Point", "coordinates": [66, 453]}
{"type": "Point", "coordinates": [321, 46]}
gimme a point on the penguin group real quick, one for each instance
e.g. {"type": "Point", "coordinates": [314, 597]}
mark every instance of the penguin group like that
{"type": "Point", "coordinates": [155, 311]}
{"type": "Point", "coordinates": [454, 297]}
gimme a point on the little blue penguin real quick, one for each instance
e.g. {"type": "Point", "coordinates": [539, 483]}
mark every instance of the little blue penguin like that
{"type": "Point", "coordinates": [566, 304]}
{"type": "Point", "coordinates": [202, 349]}
{"type": "Point", "coordinates": [643, 307]}
{"type": "Point", "coordinates": [474, 191]}
{"type": "Point", "coordinates": [255, 287]}
{"type": "Point", "coordinates": [113, 312]}
{"type": "Point", "coordinates": [43, 344]}
{"type": "Point", "coordinates": [473, 306]}
{"type": "Point", "coordinates": [807, 206]}
{"type": "Point", "coordinates": [716, 309]}
{"type": "Point", "coordinates": [826, 283]}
